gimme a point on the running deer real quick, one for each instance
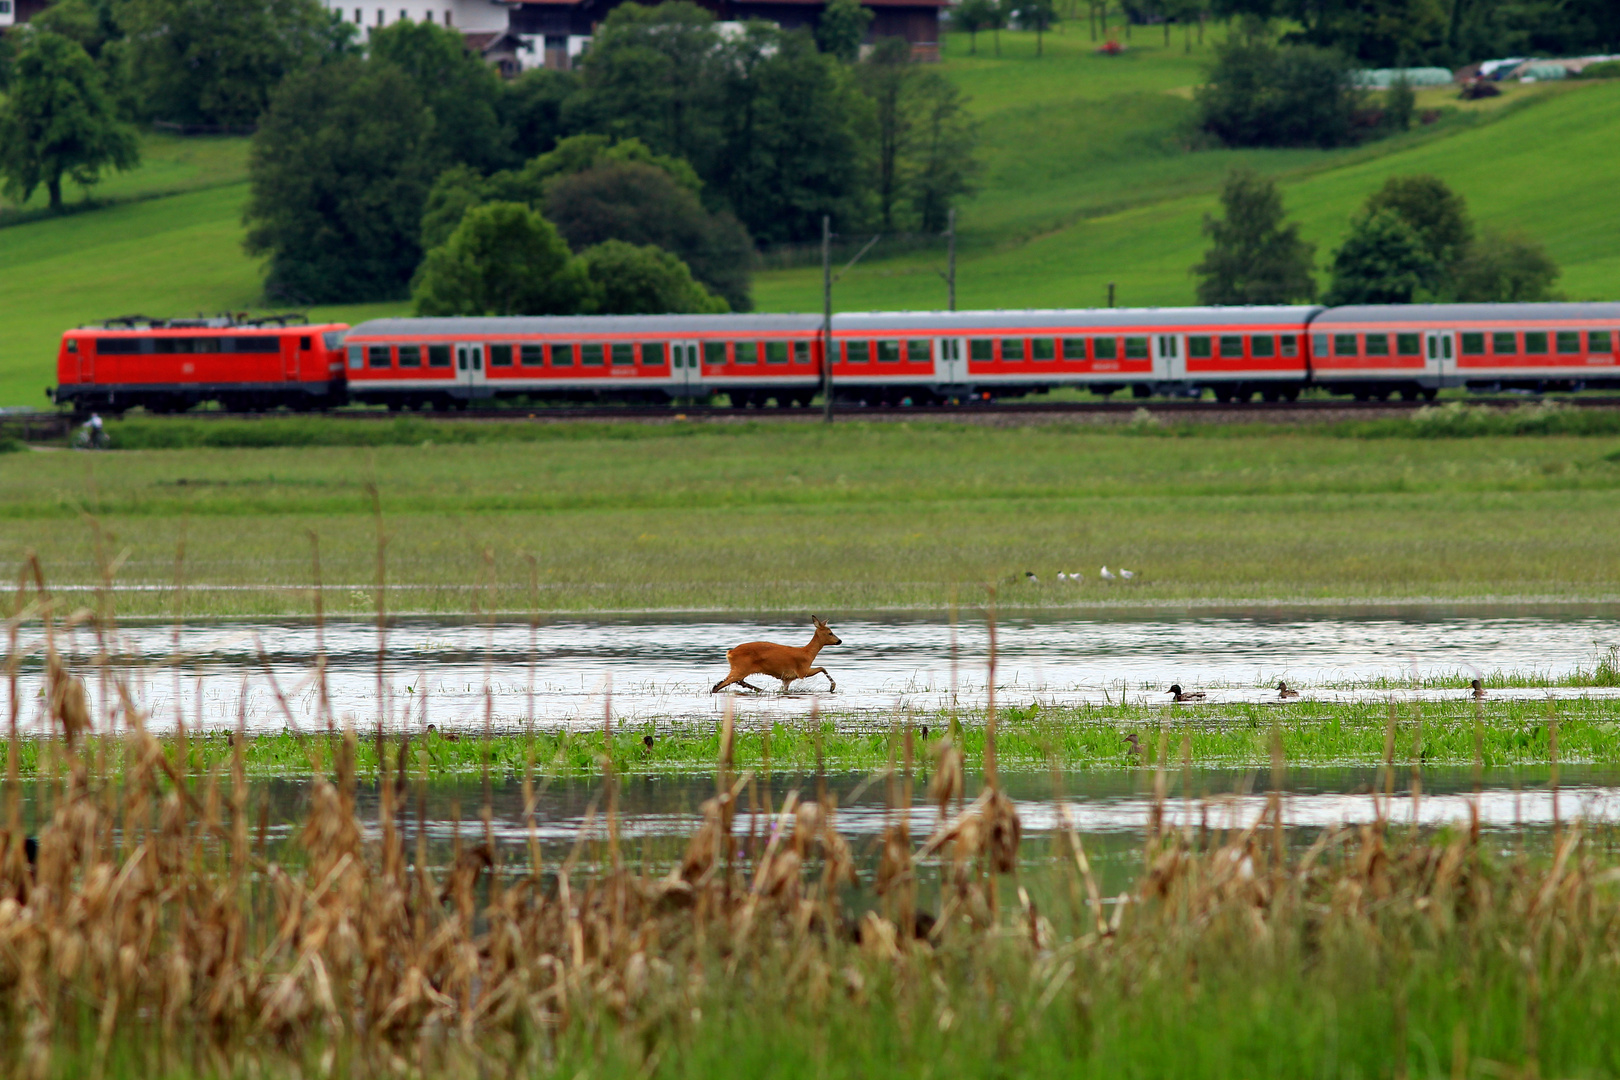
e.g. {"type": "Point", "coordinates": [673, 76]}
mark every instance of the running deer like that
{"type": "Point", "coordinates": [783, 662]}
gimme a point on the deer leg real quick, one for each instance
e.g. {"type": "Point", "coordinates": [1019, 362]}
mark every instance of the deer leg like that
{"type": "Point", "coordinates": [831, 685]}
{"type": "Point", "coordinates": [749, 685]}
{"type": "Point", "coordinates": [723, 683]}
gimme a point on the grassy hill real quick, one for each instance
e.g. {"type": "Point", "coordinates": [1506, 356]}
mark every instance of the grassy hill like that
{"type": "Point", "coordinates": [1090, 177]}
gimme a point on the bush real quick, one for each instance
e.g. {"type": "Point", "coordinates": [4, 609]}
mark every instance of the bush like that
{"type": "Point", "coordinates": [1606, 69]}
{"type": "Point", "coordinates": [1261, 95]}
{"type": "Point", "coordinates": [1457, 420]}
{"type": "Point", "coordinates": [503, 259]}
{"type": "Point", "coordinates": [645, 280]}
{"type": "Point", "coordinates": [1500, 269]}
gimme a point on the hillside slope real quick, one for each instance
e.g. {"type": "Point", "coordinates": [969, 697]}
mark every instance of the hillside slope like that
{"type": "Point", "coordinates": [1089, 178]}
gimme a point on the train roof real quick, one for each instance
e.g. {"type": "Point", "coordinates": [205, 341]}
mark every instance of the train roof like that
{"type": "Point", "coordinates": [1086, 317]}
{"type": "Point", "coordinates": [585, 325]}
{"type": "Point", "coordinates": [1472, 313]}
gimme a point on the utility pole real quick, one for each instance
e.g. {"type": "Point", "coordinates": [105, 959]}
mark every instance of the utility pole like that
{"type": "Point", "coordinates": [826, 318]}
{"type": "Point", "coordinates": [1110, 294]}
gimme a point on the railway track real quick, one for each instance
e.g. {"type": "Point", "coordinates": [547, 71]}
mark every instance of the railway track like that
{"type": "Point", "coordinates": [33, 425]}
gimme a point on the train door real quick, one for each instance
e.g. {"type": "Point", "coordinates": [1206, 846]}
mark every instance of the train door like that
{"type": "Point", "coordinates": [294, 351]}
{"type": "Point", "coordinates": [87, 361]}
{"type": "Point", "coordinates": [1168, 362]}
{"type": "Point", "coordinates": [470, 365]}
{"type": "Point", "coordinates": [685, 367]}
{"type": "Point", "coordinates": [950, 365]}
{"type": "Point", "coordinates": [1438, 350]}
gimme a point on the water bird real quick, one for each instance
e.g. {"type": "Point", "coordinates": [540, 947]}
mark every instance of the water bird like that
{"type": "Point", "coordinates": [1479, 689]}
{"type": "Point", "coordinates": [1177, 694]}
{"type": "Point", "coordinates": [1283, 693]}
{"type": "Point", "coordinates": [1126, 574]}
{"type": "Point", "coordinates": [783, 662]}
{"type": "Point", "coordinates": [925, 733]}
{"type": "Point", "coordinates": [1106, 574]}
{"type": "Point", "coordinates": [1135, 750]}
{"type": "Point", "coordinates": [447, 736]}
{"type": "Point", "coordinates": [647, 743]}
{"type": "Point", "coordinates": [1029, 576]}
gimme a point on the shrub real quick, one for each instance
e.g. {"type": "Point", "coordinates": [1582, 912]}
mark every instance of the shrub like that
{"type": "Point", "coordinates": [1262, 95]}
{"type": "Point", "coordinates": [1606, 69]}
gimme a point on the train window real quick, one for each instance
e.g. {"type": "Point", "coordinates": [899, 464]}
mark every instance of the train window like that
{"type": "Point", "coordinates": [982, 350]}
{"type": "Point", "coordinates": [1074, 348]}
{"type": "Point", "coordinates": [623, 353]}
{"type": "Point", "coordinates": [1136, 348]}
{"type": "Point", "coordinates": [919, 350]}
{"type": "Point", "coordinates": [1231, 347]}
{"type": "Point", "coordinates": [499, 356]}
{"type": "Point", "coordinates": [72, 345]}
{"type": "Point", "coordinates": [888, 352]}
{"type": "Point", "coordinates": [1012, 348]}
{"type": "Point", "coordinates": [1104, 348]}
{"type": "Point", "coordinates": [801, 352]}
{"type": "Point", "coordinates": [1290, 344]}
{"type": "Point", "coordinates": [652, 352]}
{"type": "Point", "coordinates": [1198, 347]}
{"type": "Point", "coordinates": [1504, 343]}
{"type": "Point", "coordinates": [378, 356]}
{"type": "Point", "coordinates": [714, 352]}
{"type": "Point", "coordinates": [208, 345]}
{"type": "Point", "coordinates": [332, 338]}
{"type": "Point", "coordinates": [1599, 341]}
{"type": "Point", "coordinates": [1408, 345]}
{"type": "Point", "coordinates": [776, 352]}
{"type": "Point", "coordinates": [1344, 344]}
{"type": "Point", "coordinates": [532, 355]}
{"type": "Point", "coordinates": [438, 356]}
{"type": "Point", "coordinates": [112, 346]}
{"type": "Point", "coordinates": [410, 356]}
{"type": "Point", "coordinates": [304, 343]}
{"type": "Point", "coordinates": [1473, 344]}
{"type": "Point", "coordinates": [1319, 344]}
{"type": "Point", "coordinates": [590, 355]}
{"type": "Point", "coordinates": [563, 355]}
{"type": "Point", "coordinates": [856, 352]}
{"type": "Point", "coordinates": [1569, 341]}
{"type": "Point", "coordinates": [356, 356]}
{"type": "Point", "coordinates": [1043, 348]}
{"type": "Point", "coordinates": [745, 352]}
{"type": "Point", "coordinates": [1535, 341]}
{"type": "Point", "coordinates": [1377, 344]}
{"type": "Point", "coordinates": [1262, 345]}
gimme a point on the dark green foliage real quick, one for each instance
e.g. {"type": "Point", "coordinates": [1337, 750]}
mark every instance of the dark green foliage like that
{"type": "Point", "coordinates": [340, 170]}
{"type": "Point", "coordinates": [57, 120]}
{"type": "Point", "coordinates": [218, 61]}
{"type": "Point", "coordinates": [922, 139]}
{"type": "Point", "coordinates": [503, 259]}
{"type": "Point", "coordinates": [1504, 268]}
{"type": "Point", "coordinates": [842, 28]}
{"type": "Point", "coordinates": [531, 109]}
{"type": "Point", "coordinates": [1380, 33]}
{"type": "Point", "coordinates": [1383, 261]}
{"type": "Point", "coordinates": [640, 204]}
{"type": "Point", "coordinates": [646, 280]}
{"type": "Point", "coordinates": [1262, 95]}
{"type": "Point", "coordinates": [971, 16]}
{"type": "Point", "coordinates": [1606, 69]}
{"type": "Point", "coordinates": [787, 151]}
{"type": "Point", "coordinates": [1039, 16]}
{"type": "Point", "coordinates": [1255, 258]}
{"type": "Point", "coordinates": [1438, 215]}
{"type": "Point", "coordinates": [1399, 103]}
{"type": "Point", "coordinates": [456, 85]}
{"type": "Point", "coordinates": [650, 74]}
{"type": "Point", "coordinates": [578, 153]}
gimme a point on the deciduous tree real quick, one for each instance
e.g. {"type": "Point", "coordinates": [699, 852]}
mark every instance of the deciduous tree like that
{"type": "Point", "coordinates": [1255, 258]}
{"type": "Point", "coordinates": [1261, 95]}
{"type": "Point", "coordinates": [1382, 261]}
{"type": "Point", "coordinates": [1498, 268]}
{"type": "Point", "coordinates": [842, 28]}
{"type": "Point", "coordinates": [503, 259]}
{"type": "Point", "coordinates": [627, 279]}
{"type": "Point", "coordinates": [456, 85]}
{"type": "Point", "coordinates": [57, 121]}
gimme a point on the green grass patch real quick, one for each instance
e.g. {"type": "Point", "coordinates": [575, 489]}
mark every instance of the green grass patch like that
{"type": "Point", "coordinates": [1030, 738]}
{"type": "Point", "coordinates": [857, 517]}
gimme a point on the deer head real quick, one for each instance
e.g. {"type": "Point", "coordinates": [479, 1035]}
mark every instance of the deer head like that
{"type": "Point", "coordinates": [824, 634]}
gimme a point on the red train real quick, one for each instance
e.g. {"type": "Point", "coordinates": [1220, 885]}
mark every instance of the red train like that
{"type": "Point", "coordinates": [169, 365]}
{"type": "Point", "coordinates": [877, 357]}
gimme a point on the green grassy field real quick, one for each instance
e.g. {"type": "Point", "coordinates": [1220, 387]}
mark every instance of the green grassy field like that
{"type": "Point", "coordinates": [857, 517]}
{"type": "Point", "coordinates": [1090, 178]}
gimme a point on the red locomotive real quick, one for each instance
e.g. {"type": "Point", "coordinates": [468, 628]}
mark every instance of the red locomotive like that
{"type": "Point", "coordinates": [169, 365]}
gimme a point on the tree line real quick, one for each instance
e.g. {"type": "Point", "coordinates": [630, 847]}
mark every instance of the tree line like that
{"type": "Point", "coordinates": [1412, 241]}
{"type": "Point", "coordinates": [696, 143]}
